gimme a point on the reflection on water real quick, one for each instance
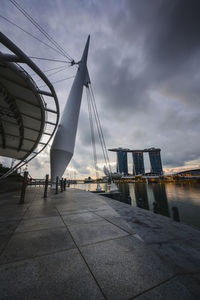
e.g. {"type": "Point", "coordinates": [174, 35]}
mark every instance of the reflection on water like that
{"type": "Point", "coordinates": [180, 201]}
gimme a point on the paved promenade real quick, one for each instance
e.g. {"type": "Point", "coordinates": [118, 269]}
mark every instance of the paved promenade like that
{"type": "Point", "coordinates": [79, 245]}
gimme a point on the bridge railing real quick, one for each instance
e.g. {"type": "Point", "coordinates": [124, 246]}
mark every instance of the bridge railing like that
{"type": "Point", "coordinates": [58, 185]}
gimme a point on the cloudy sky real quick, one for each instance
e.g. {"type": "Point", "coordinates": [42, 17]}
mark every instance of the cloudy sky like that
{"type": "Point", "coordinates": [144, 64]}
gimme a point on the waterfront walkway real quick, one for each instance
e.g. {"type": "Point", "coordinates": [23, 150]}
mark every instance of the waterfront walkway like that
{"type": "Point", "coordinates": [79, 245]}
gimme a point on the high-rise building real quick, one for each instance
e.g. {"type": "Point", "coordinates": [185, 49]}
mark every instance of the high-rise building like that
{"type": "Point", "coordinates": [122, 165]}
{"type": "Point", "coordinates": [155, 161]}
{"type": "Point", "coordinates": [138, 163]}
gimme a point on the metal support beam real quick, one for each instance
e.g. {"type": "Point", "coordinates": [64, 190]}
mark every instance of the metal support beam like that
{"type": "Point", "coordinates": [50, 123]}
{"type": "Point", "coordinates": [10, 58]}
{"type": "Point", "coordinates": [2, 131]}
{"type": "Point", "coordinates": [45, 93]}
{"type": "Point", "coordinates": [51, 110]}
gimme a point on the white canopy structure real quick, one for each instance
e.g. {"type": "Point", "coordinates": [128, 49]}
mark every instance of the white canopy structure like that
{"type": "Point", "coordinates": [24, 112]}
{"type": "Point", "coordinates": [63, 145]}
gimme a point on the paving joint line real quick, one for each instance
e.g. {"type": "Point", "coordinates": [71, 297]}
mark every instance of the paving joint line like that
{"type": "Point", "coordinates": [117, 225]}
{"type": "Point", "coordinates": [11, 235]}
{"type": "Point", "coordinates": [43, 229]}
{"type": "Point", "coordinates": [35, 257]}
{"type": "Point", "coordinates": [85, 260]}
{"type": "Point", "coordinates": [151, 288]}
{"type": "Point", "coordinates": [174, 276]}
{"type": "Point", "coordinates": [104, 241]}
{"type": "Point", "coordinates": [38, 217]}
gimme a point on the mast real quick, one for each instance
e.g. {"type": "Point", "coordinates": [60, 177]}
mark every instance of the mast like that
{"type": "Point", "coordinates": [62, 148]}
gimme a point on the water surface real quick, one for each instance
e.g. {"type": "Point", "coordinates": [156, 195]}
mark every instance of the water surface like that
{"type": "Point", "coordinates": [175, 200]}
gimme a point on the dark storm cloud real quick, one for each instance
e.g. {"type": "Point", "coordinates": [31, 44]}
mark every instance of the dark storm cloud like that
{"type": "Point", "coordinates": [121, 90]}
{"type": "Point", "coordinates": [178, 37]}
{"type": "Point", "coordinates": [169, 29]}
{"type": "Point", "coordinates": [155, 46]}
{"type": "Point", "coordinates": [144, 62]}
{"type": "Point", "coordinates": [168, 35]}
{"type": "Point", "coordinates": [162, 38]}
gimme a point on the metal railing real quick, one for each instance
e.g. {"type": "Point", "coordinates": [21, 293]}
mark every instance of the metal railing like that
{"type": "Point", "coordinates": [59, 185]}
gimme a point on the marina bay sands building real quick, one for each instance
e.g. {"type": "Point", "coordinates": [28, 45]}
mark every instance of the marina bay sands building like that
{"type": "Point", "coordinates": [138, 161]}
{"type": "Point", "coordinates": [155, 161]}
{"type": "Point", "coordinates": [122, 164]}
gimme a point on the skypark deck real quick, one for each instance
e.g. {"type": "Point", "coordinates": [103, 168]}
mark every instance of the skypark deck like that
{"type": "Point", "coordinates": [134, 151]}
{"type": "Point", "coordinates": [79, 245]}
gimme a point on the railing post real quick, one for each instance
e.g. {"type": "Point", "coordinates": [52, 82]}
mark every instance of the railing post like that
{"type": "Point", "coordinates": [65, 184]}
{"type": "Point", "coordinates": [61, 185]}
{"type": "Point", "coordinates": [23, 190]}
{"type": "Point", "coordinates": [46, 186]}
{"type": "Point", "coordinates": [57, 179]}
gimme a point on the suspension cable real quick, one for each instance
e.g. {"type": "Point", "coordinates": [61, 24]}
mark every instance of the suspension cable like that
{"type": "Point", "coordinates": [58, 71]}
{"type": "Point", "coordinates": [101, 132]}
{"type": "Point", "coordinates": [33, 36]}
{"type": "Point", "coordinates": [98, 130]}
{"type": "Point", "coordinates": [57, 81]}
{"type": "Point", "coordinates": [52, 69]}
{"type": "Point", "coordinates": [92, 134]}
{"type": "Point", "coordinates": [23, 11]}
{"type": "Point", "coordinates": [48, 59]}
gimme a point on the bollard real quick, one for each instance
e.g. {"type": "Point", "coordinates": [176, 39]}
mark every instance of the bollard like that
{"type": "Point", "coordinates": [57, 179]}
{"type": "Point", "coordinates": [61, 185]}
{"type": "Point", "coordinates": [175, 214]}
{"type": "Point", "coordinates": [155, 207]}
{"type": "Point", "coordinates": [65, 184]}
{"type": "Point", "coordinates": [46, 186]}
{"type": "Point", "coordinates": [24, 185]}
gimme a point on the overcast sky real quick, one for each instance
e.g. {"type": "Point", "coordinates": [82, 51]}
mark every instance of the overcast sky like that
{"type": "Point", "coordinates": [144, 64]}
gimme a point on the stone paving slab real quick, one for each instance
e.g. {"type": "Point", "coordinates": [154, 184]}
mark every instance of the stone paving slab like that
{"type": "Point", "coordinates": [40, 211]}
{"type": "Point", "coordinates": [39, 224]}
{"type": "Point", "coordinates": [4, 238]}
{"type": "Point", "coordinates": [183, 256]}
{"type": "Point", "coordinates": [81, 218]}
{"type": "Point", "coordinates": [8, 226]}
{"type": "Point", "coordinates": [96, 232]}
{"type": "Point", "coordinates": [121, 223]}
{"type": "Point", "coordinates": [172, 289]}
{"type": "Point", "coordinates": [80, 245]}
{"type": "Point", "coordinates": [31, 244]}
{"type": "Point", "coordinates": [63, 275]}
{"type": "Point", "coordinates": [12, 213]}
{"type": "Point", "coordinates": [191, 282]}
{"type": "Point", "coordinates": [125, 267]}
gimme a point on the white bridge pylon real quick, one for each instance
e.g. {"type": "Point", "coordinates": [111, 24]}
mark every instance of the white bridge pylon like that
{"type": "Point", "coordinates": [62, 148]}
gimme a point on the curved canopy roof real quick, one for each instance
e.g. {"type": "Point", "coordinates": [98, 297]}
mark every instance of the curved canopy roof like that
{"type": "Point", "coordinates": [24, 113]}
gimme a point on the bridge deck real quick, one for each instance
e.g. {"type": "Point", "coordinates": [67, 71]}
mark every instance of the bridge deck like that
{"type": "Point", "coordinates": [79, 245]}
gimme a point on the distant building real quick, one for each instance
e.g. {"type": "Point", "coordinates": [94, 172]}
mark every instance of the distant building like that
{"type": "Point", "coordinates": [138, 163]}
{"type": "Point", "coordinates": [122, 164]}
{"type": "Point", "coordinates": [194, 172]}
{"type": "Point", "coordinates": [155, 161]}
